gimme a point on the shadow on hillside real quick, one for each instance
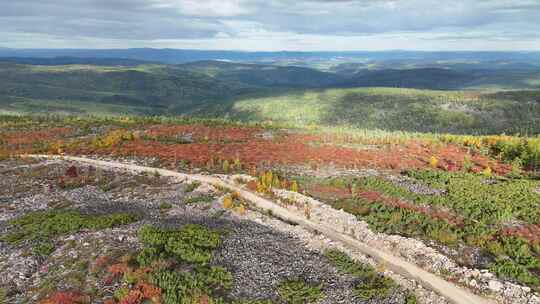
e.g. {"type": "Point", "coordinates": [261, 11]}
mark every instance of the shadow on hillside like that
{"type": "Point", "coordinates": [435, 114]}
{"type": "Point", "coordinates": [388, 112]}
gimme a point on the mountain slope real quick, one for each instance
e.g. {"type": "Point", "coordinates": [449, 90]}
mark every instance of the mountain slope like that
{"type": "Point", "coordinates": [265, 75]}
{"type": "Point", "coordinates": [392, 109]}
{"type": "Point", "coordinates": [156, 88]}
{"type": "Point", "coordinates": [424, 78]}
{"type": "Point", "coordinates": [73, 60]}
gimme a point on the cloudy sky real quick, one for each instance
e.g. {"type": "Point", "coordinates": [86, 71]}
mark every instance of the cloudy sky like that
{"type": "Point", "coordinates": [272, 24]}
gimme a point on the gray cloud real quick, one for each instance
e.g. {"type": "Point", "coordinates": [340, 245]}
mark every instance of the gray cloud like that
{"type": "Point", "coordinates": [200, 23]}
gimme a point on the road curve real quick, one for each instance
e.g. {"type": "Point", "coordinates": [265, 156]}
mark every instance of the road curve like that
{"type": "Point", "coordinates": [450, 291]}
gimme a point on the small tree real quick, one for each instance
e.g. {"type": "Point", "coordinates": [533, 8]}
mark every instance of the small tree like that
{"type": "Point", "coordinates": [294, 186]}
{"type": "Point", "coordinates": [226, 166]}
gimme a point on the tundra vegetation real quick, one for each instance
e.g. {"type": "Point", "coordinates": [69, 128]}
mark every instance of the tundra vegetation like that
{"type": "Point", "coordinates": [458, 191]}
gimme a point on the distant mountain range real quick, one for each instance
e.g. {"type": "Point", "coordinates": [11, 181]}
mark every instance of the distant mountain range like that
{"type": "Point", "coordinates": [73, 60]}
{"type": "Point", "coordinates": [175, 56]}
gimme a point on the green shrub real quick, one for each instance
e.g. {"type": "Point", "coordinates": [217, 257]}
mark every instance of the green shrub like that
{"type": "Point", "coordinates": [192, 243]}
{"type": "Point", "coordinates": [508, 269]}
{"type": "Point", "coordinates": [43, 248]}
{"type": "Point", "coordinates": [199, 199]}
{"type": "Point", "coordinates": [121, 293]}
{"type": "Point", "coordinates": [475, 209]}
{"type": "Point", "coordinates": [186, 287]}
{"type": "Point", "coordinates": [374, 286]}
{"type": "Point", "coordinates": [3, 296]}
{"type": "Point", "coordinates": [165, 206]}
{"type": "Point", "coordinates": [41, 226]}
{"type": "Point", "coordinates": [192, 186]}
{"type": "Point", "coordinates": [299, 292]}
{"type": "Point", "coordinates": [252, 302]}
{"type": "Point", "coordinates": [226, 166]}
{"type": "Point", "coordinates": [411, 299]}
{"type": "Point", "coordinates": [345, 264]}
{"type": "Point", "coordinates": [371, 284]}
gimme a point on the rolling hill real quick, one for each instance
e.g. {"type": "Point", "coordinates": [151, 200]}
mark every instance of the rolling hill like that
{"type": "Point", "coordinates": [145, 89]}
{"type": "Point", "coordinates": [74, 60]}
{"type": "Point", "coordinates": [373, 99]}
{"type": "Point", "coordinates": [396, 109]}
{"type": "Point", "coordinates": [265, 75]}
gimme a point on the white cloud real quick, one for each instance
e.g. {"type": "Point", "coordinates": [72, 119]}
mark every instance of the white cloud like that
{"type": "Point", "coordinates": [204, 8]}
{"type": "Point", "coordinates": [273, 24]}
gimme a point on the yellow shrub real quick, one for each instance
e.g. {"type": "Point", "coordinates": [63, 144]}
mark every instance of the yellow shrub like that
{"type": "Point", "coordinates": [242, 209]}
{"type": "Point", "coordinates": [294, 186]}
{"type": "Point", "coordinates": [112, 138]}
{"type": "Point", "coordinates": [228, 202]}
{"type": "Point", "coordinates": [434, 161]}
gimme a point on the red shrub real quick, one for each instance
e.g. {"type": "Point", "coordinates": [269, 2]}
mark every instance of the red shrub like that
{"type": "Point", "coordinates": [530, 232]}
{"type": "Point", "coordinates": [66, 298]}
{"type": "Point", "coordinates": [149, 291]}
{"type": "Point", "coordinates": [119, 268]}
{"type": "Point", "coordinates": [374, 196]}
{"type": "Point", "coordinates": [329, 192]}
{"type": "Point", "coordinates": [72, 172]}
{"type": "Point", "coordinates": [99, 263]}
{"type": "Point", "coordinates": [133, 297]}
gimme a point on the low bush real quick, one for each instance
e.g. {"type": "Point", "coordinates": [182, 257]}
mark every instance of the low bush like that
{"type": "Point", "coordinates": [471, 208]}
{"type": "Point", "coordinates": [191, 249]}
{"type": "Point", "coordinates": [165, 206]}
{"type": "Point", "coordinates": [192, 186]}
{"type": "Point", "coordinates": [42, 226]}
{"type": "Point", "coordinates": [199, 199]}
{"type": "Point", "coordinates": [371, 285]}
{"type": "Point", "coordinates": [297, 291]}
{"type": "Point", "coordinates": [3, 296]}
{"type": "Point", "coordinates": [193, 244]}
{"type": "Point", "coordinates": [196, 287]}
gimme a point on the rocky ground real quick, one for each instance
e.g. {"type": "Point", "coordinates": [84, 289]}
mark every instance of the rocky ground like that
{"type": "Point", "coordinates": [78, 260]}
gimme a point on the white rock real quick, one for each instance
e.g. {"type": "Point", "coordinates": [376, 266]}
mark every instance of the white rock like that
{"type": "Point", "coordinates": [487, 276]}
{"type": "Point", "coordinates": [495, 286]}
{"type": "Point", "coordinates": [205, 189]}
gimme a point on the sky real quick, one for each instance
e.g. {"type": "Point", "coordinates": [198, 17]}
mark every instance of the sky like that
{"type": "Point", "coordinates": [272, 25]}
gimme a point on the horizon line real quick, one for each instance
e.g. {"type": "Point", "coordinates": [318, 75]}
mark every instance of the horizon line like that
{"type": "Point", "coordinates": [278, 51]}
